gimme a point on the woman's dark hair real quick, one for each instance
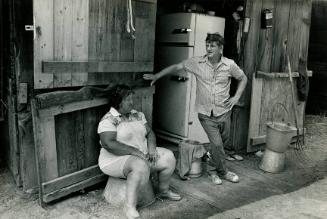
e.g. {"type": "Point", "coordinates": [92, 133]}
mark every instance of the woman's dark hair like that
{"type": "Point", "coordinates": [215, 37]}
{"type": "Point", "coordinates": [118, 93]}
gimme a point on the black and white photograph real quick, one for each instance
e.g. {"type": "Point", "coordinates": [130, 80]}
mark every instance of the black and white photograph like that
{"type": "Point", "coordinates": [163, 109]}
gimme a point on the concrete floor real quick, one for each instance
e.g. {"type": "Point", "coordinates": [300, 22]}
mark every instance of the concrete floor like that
{"type": "Point", "coordinates": [297, 192]}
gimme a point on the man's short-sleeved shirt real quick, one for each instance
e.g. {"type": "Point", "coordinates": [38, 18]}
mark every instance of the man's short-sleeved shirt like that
{"type": "Point", "coordinates": [213, 83]}
{"type": "Point", "coordinates": [130, 131]}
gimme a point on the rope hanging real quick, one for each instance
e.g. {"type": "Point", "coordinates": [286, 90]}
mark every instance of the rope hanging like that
{"type": "Point", "coordinates": [130, 23]}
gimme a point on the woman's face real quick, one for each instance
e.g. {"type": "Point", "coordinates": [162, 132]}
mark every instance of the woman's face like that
{"type": "Point", "coordinates": [127, 104]}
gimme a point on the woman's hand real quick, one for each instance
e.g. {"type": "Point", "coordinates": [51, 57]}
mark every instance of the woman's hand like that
{"type": "Point", "coordinates": [150, 77]}
{"type": "Point", "coordinates": [141, 155]}
{"type": "Point", "coordinates": [153, 155]}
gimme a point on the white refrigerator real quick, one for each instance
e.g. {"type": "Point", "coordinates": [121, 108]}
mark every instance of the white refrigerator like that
{"type": "Point", "coordinates": [179, 37]}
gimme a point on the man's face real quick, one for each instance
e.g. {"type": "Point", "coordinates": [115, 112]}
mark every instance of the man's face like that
{"type": "Point", "coordinates": [213, 49]}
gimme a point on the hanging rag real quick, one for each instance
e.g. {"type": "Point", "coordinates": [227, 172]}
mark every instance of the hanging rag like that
{"type": "Point", "coordinates": [302, 83]}
{"type": "Point", "coordinates": [188, 152]}
{"type": "Point", "coordinates": [129, 21]}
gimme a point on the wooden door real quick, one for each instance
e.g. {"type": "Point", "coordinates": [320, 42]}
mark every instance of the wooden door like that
{"type": "Point", "coordinates": [85, 42]}
{"type": "Point", "coordinates": [265, 62]}
{"type": "Point", "coordinates": [66, 141]}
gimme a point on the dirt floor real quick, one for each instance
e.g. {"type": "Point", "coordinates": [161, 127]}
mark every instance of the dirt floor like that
{"type": "Point", "coordinates": [201, 199]}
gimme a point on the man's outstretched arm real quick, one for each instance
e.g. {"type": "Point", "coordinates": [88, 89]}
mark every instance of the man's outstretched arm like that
{"type": "Point", "coordinates": [166, 71]}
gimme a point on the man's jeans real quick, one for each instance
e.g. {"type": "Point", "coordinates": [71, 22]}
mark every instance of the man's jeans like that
{"type": "Point", "coordinates": [217, 129]}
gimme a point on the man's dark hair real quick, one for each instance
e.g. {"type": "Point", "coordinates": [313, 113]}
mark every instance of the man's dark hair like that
{"type": "Point", "coordinates": [118, 93]}
{"type": "Point", "coordinates": [215, 37]}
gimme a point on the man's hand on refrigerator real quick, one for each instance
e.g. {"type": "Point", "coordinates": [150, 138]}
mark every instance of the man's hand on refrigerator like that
{"type": "Point", "coordinates": [150, 77]}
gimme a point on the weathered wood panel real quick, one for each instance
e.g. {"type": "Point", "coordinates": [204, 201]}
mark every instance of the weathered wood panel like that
{"type": "Point", "coordinates": [43, 43]}
{"type": "Point", "coordinates": [95, 66]}
{"type": "Point", "coordinates": [240, 118]}
{"type": "Point", "coordinates": [91, 118]}
{"type": "Point", "coordinates": [13, 153]}
{"type": "Point", "coordinates": [27, 152]}
{"type": "Point", "coordinates": [291, 23]}
{"type": "Point", "coordinates": [68, 129]}
{"type": "Point", "coordinates": [80, 39]}
{"type": "Point", "coordinates": [63, 32]}
{"type": "Point", "coordinates": [95, 31]}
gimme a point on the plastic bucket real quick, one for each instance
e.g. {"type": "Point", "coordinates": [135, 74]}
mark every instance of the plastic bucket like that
{"type": "Point", "coordinates": [279, 136]}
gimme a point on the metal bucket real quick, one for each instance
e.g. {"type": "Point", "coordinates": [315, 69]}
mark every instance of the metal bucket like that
{"type": "Point", "coordinates": [272, 161]}
{"type": "Point", "coordinates": [279, 136]}
{"type": "Point", "coordinates": [196, 168]}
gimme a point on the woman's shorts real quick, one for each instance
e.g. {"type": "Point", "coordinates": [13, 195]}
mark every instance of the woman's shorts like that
{"type": "Point", "coordinates": [113, 165]}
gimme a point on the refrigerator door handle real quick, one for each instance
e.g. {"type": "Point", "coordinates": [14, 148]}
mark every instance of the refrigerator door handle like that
{"type": "Point", "coordinates": [182, 30]}
{"type": "Point", "coordinates": [178, 78]}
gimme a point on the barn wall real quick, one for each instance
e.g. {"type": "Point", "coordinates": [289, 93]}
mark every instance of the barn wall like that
{"type": "Point", "coordinates": [102, 39]}
{"type": "Point", "coordinates": [264, 52]}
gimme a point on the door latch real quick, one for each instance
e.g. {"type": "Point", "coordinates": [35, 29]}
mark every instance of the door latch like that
{"type": "Point", "coordinates": [29, 27]}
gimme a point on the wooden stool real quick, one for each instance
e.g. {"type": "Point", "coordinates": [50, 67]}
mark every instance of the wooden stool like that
{"type": "Point", "coordinates": [115, 193]}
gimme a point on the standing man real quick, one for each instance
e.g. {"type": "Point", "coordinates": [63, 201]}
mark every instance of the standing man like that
{"type": "Point", "coordinates": [213, 103]}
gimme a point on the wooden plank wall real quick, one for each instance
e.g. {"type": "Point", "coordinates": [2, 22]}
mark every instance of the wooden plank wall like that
{"type": "Point", "coordinates": [264, 52]}
{"type": "Point", "coordinates": [90, 30]}
{"type": "Point", "coordinates": [77, 140]}
{"type": "Point", "coordinates": [317, 101]}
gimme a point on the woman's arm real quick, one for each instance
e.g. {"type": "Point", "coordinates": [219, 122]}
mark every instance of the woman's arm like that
{"type": "Point", "coordinates": [166, 71]}
{"type": "Point", "coordinates": [151, 140]}
{"type": "Point", "coordinates": [109, 142]}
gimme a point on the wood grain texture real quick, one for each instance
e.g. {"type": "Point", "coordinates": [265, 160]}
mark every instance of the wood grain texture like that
{"type": "Point", "coordinates": [289, 18]}
{"type": "Point", "coordinates": [253, 9]}
{"type": "Point", "coordinates": [93, 31]}
{"type": "Point", "coordinates": [59, 67]}
{"type": "Point", "coordinates": [280, 35]}
{"type": "Point", "coordinates": [92, 117]}
{"type": "Point", "coordinates": [27, 151]}
{"type": "Point", "coordinates": [261, 74]}
{"type": "Point", "coordinates": [70, 179]}
{"type": "Point", "coordinates": [63, 32]}
{"type": "Point", "coordinates": [47, 149]}
{"type": "Point", "coordinates": [255, 111]}
{"type": "Point", "coordinates": [43, 43]}
{"type": "Point", "coordinates": [74, 188]}
{"type": "Point", "coordinates": [80, 39]}
{"type": "Point", "coordinates": [68, 145]}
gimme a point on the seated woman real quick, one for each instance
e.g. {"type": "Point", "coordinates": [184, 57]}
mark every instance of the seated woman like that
{"type": "Point", "coordinates": [129, 150]}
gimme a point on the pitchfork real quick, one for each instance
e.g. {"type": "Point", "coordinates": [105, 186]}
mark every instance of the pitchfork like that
{"type": "Point", "coordinates": [299, 143]}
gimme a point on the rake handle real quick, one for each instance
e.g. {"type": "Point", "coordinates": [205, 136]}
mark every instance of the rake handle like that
{"type": "Point", "coordinates": [293, 94]}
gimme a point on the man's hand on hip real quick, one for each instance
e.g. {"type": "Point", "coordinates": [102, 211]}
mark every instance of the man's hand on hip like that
{"type": "Point", "coordinates": [229, 103]}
